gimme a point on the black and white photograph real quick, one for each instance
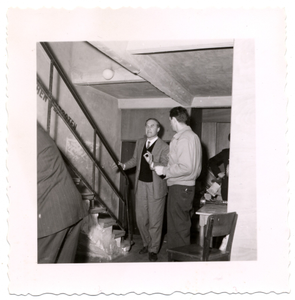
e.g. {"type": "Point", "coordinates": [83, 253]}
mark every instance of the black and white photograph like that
{"type": "Point", "coordinates": [147, 151]}
{"type": "Point", "coordinates": [105, 106]}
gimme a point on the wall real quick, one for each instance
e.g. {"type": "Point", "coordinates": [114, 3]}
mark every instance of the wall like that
{"type": "Point", "coordinates": [133, 123]}
{"type": "Point", "coordinates": [242, 184]}
{"type": "Point", "coordinates": [103, 108]}
{"type": "Point", "coordinates": [215, 130]}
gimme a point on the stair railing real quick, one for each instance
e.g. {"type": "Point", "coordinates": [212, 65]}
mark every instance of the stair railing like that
{"type": "Point", "coordinates": [53, 103]}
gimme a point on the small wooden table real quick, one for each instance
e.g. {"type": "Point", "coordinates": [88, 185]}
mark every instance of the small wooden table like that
{"type": "Point", "coordinates": [204, 212]}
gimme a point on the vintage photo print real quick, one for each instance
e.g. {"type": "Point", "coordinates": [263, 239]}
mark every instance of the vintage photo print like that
{"type": "Point", "coordinates": [147, 151]}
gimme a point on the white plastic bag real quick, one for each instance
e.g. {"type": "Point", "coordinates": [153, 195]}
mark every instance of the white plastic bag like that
{"type": "Point", "coordinates": [102, 242]}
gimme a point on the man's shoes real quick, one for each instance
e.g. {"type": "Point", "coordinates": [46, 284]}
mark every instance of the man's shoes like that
{"type": "Point", "coordinates": [153, 256]}
{"type": "Point", "coordinates": [143, 250]}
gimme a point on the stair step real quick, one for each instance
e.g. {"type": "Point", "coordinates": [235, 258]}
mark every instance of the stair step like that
{"type": "Point", "coordinates": [82, 188]}
{"type": "Point", "coordinates": [116, 227]}
{"type": "Point", "coordinates": [106, 222]}
{"type": "Point", "coordinates": [76, 180]}
{"type": "Point", "coordinates": [127, 244]}
{"type": "Point", "coordinates": [105, 215]}
{"type": "Point", "coordinates": [118, 233]}
{"type": "Point", "coordinates": [96, 210]}
{"type": "Point", "coordinates": [87, 196]}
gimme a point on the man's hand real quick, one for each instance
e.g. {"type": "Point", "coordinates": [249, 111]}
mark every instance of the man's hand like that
{"type": "Point", "coordinates": [159, 170]}
{"type": "Point", "coordinates": [217, 180]}
{"type": "Point", "coordinates": [148, 157]}
{"type": "Point", "coordinates": [114, 166]}
{"type": "Point", "coordinates": [221, 175]}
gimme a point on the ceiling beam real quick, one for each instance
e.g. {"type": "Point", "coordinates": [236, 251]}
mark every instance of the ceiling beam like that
{"type": "Point", "coordinates": [146, 47]}
{"type": "Point", "coordinates": [212, 102]}
{"type": "Point", "coordinates": [145, 67]}
{"type": "Point", "coordinates": [144, 103]}
{"type": "Point", "coordinates": [94, 77]}
{"type": "Point", "coordinates": [198, 102]}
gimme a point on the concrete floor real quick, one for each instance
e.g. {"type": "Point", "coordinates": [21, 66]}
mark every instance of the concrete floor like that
{"type": "Point", "coordinates": [86, 254]}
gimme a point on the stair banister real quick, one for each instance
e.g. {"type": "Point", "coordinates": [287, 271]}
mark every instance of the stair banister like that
{"type": "Point", "coordinates": [67, 82]}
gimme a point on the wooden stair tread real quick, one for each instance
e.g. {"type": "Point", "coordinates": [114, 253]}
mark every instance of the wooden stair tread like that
{"type": "Point", "coordinates": [88, 196]}
{"type": "Point", "coordinates": [96, 210]}
{"type": "Point", "coordinates": [105, 215]}
{"type": "Point", "coordinates": [118, 233]}
{"type": "Point", "coordinates": [76, 180]}
{"type": "Point", "coordinates": [106, 222]}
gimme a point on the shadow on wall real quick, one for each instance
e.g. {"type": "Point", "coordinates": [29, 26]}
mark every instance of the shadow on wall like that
{"type": "Point", "coordinates": [202, 179]}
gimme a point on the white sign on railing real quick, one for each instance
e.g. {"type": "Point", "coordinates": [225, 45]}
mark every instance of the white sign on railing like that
{"type": "Point", "coordinates": [43, 94]}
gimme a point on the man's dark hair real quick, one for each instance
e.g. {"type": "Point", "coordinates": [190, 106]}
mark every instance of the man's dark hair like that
{"type": "Point", "coordinates": [158, 123]}
{"type": "Point", "coordinates": [180, 114]}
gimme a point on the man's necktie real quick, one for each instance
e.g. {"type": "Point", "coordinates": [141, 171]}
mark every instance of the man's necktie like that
{"type": "Point", "coordinates": [148, 144]}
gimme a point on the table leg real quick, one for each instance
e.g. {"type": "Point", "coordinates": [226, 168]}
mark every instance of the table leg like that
{"type": "Point", "coordinates": [202, 223]}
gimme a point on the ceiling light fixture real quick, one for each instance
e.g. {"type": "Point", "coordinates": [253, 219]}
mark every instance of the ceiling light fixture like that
{"type": "Point", "coordinates": [108, 74]}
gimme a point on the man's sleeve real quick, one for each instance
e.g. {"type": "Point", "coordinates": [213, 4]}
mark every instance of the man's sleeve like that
{"type": "Point", "coordinates": [214, 163]}
{"type": "Point", "coordinates": [132, 162]}
{"type": "Point", "coordinates": [164, 157]}
{"type": "Point", "coordinates": [186, 160]}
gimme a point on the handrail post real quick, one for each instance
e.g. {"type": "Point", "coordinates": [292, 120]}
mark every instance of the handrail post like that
{"type": "Point", "coordinates": [129, 223]}
{"type": "Point", "coordinates": [49, 102]}
{"type": "Point", "coordinates": [93, 166]}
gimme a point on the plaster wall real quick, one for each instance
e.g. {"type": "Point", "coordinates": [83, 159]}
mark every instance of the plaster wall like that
{"type": "Point", "coordinates": [242, 189]}
{"type": "Point", "coordinates": [133, 122]}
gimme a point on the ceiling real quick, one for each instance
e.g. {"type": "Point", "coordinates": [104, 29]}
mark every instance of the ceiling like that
{"type": "Point", "coordinates": [181, 71]}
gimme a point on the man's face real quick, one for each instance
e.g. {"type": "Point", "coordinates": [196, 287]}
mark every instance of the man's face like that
{"type": "Point", "coordinates": [151, 129]}
{"type": "Point", "coordinates": [172, 123]}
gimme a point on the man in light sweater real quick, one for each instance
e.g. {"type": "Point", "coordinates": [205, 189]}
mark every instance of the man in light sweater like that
{"type": "Point", "coordinates": [184, 167]}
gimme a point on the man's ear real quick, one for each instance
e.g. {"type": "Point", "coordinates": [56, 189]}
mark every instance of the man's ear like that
{"type": "Point", "coordinates": [158, 129]}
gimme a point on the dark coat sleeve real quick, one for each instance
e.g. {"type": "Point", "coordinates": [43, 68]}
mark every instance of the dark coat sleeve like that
{"type": "Point", "coordinates": [217, 160]}
{"type": "Point", "coordinates": [60, 204]}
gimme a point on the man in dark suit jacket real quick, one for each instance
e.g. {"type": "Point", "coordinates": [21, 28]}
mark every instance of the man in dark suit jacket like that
{"type": "Point", "coordinates": [60, 206]}
{"type": "Point", "coordinates": [150, 189]}
{"type": "Point", "coordinates": [221, 177]}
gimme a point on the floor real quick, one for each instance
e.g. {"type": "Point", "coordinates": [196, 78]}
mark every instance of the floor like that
{"type": "Point", "coordinates": [88, 254]}
{"type": "Point", "coordinates": [134, 256]}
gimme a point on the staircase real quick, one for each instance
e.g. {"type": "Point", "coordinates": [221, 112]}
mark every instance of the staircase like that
{"type": "Point", "coordinates": [96, 205]}
{"type": "Point", "coordinates": [102, 214]}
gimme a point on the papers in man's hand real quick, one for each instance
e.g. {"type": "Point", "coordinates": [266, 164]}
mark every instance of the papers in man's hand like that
{"type": "Point", "coordinates": [213, 189]}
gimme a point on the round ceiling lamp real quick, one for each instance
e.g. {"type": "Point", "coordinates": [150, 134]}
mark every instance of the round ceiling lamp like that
{"type": "Point", "coordinates": [108, 74]}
